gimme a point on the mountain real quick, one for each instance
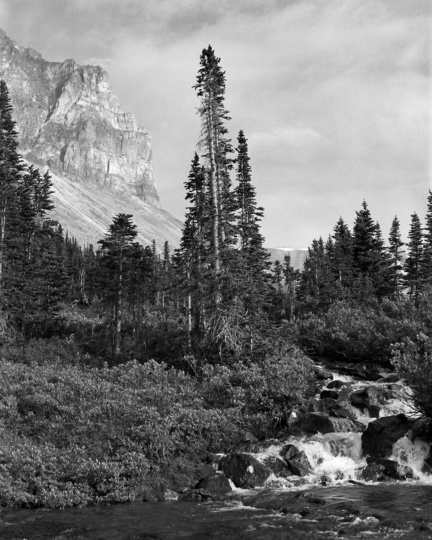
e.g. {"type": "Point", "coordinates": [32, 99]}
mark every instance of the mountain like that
{"type": "Point", "coordinates": [298, 256]}
{"type": "Point", "coordinates": [70, 121]}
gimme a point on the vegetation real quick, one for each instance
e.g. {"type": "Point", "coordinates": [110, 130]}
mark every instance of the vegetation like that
{"type": "Point", "coordinates": [122, 368]}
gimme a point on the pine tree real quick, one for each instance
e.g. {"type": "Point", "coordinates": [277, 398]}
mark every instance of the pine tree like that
{"type": "Point", "coordinates": [210, 87]}
{"type": "Point", "coordinates": [395, 245]}
{"type": "Point", "coordinates": [413, 262]}
{"type": "Point", "coordinates": [426, 263]}
{"type": "Point", "coordinates": [342, 259]}
{"type": "Point", "coordinates": [116, 249]}
{"type": "Point", "coordinates": [10, 167]}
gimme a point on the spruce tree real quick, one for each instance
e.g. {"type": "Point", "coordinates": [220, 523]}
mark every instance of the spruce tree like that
{"type": "Point", "coordinates": [10, 167]}
{"type": "Point", "coordinates": [395, 251]}
{"type": "Point", "coordinates": [210, 88]}
{"type": "Point", "coordinates": [412, 266]}
{"type": "Point", "coordinates": [117, 248]}
{"type": "Point", "coordinates": [426, 263]}
{"type": "Point", "coordinates": [342, 259]}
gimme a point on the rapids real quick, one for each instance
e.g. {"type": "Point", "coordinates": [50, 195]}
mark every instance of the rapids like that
{"type": "Point", "coordinates": [333, 500]}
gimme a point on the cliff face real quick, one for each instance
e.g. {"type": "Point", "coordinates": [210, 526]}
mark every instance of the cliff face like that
{"type": "Point", "coordinates": [70, 120]}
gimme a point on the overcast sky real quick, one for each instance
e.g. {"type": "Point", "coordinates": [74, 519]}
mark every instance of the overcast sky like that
{"type": "Point", "coordinates": [333, 95]}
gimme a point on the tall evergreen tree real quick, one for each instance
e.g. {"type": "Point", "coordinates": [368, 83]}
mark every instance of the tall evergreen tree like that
{"type": "Point", "coordinates": [426, 263]}
{"type": "Point", "coordinates": [413, 262]}
{"type": "Point", "coordinates": [10, 167]}
{"type": "Point", "coordinates": [210, 87]}
{"type": "Point", "coordinates": [342, 257]}
{"type": "Point", "coordinates": [116, 249]}
{"type": "Point", "coordinates": [395, 251]}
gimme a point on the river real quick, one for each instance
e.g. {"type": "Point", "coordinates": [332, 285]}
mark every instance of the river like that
{"type": "Point", "coordinates": [333, 501]}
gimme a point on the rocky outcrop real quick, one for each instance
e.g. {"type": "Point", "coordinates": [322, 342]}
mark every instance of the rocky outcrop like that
{"type": "Point", "coordinates": [69, 119]}
{"type": "Point", "coordinates": [381, 434]}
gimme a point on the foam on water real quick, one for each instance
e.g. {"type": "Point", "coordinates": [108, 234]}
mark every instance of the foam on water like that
{"type": "Point", "coordinates": [412, 454]}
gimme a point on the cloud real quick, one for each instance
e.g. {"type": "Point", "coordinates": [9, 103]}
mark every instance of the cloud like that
{"type": "Point", "coordinates": [333, 95]}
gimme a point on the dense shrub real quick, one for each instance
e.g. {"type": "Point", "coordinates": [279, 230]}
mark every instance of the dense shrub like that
{"type": "Point", "coordinates": [265, 392]}
{"type": "Point", "coordinates": [73, 435]}
{"type": "Point", "coordinates": [413, 360]}
{"type": "Point", "coordinates": [361, 332]}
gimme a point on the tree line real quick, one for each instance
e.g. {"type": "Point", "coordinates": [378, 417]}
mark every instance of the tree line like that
{"type": "Point", "coordinates": [216, 298]}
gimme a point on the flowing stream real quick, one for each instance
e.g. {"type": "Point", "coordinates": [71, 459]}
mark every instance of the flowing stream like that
{"type": "Point", "coordinates": [333, 500]}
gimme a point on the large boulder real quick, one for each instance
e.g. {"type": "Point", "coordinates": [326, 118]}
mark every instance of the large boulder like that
{"type": "Point", "coordinates": [379, 470]}
{"type": "Point", "coordinates": [323, 423]}
{"type": "Point", "coordinates": [218, 484]}
{"type": "Point", "coordinates": [278, 466]}
{"type": "Point", "coordinates": [315, 422]}
{"type": "Point", "coordinates": [369, 395]}
{"type": "Point", "coordinates": [244, 470]}
{"type": "Point", "coordinates": [297, 461]}
{"type": "Point", "coordinates": [381, 434]}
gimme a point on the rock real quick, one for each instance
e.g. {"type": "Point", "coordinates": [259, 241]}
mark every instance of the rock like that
{"type": "Point", "coordinates": [297, 461]}
{"type": "Point", "coordinates": [278, 466]}
{"type": "Point", "coordinates": [244, 470]}
{"type": "Point", "coordinates": [378, 470]}
{"type": "Point", "coordinates": [298, 469]}
{"type": "Point", "coordinates": [381, 434]}
{"type": "Point", "coordinates": [317, 423]}
{"type": "Point", "coordinates": [344, 394]}
{"type": "Point", "coordinates": [329, 394]}
{"type": "Point", "coordinates": [197, 495]}
{"type": "Point", "coordinates": [70, 120]}
{"type": "Point", "coordinates": [370, 395]}
{"type": "Point", "coordinates": [360, 399]}
{"type": "Point", "coordinates": [392, 378]}
{"type": "Point", "coordinates": [335, 384]}
{"type": "Point", "coordinates": [322, 373]}
{"type": "Point", "coordinates": [218, 484]}
{"type": "Point", "coordinates": [374, 411]}
{"type": "Point", "coordinates": [168, 495]}
{"type": "Point", "coordinates": [323, 423]}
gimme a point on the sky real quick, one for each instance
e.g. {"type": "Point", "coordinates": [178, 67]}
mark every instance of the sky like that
{"type": "Point", "coordinates": [334, 96]}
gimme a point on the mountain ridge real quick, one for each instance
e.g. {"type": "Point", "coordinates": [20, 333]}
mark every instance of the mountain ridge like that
{"type": "Point", "coordinates": [69, 121]}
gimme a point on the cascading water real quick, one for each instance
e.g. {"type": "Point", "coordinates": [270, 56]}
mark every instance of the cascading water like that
{"type": "Point", "coordinates": [336, 457]}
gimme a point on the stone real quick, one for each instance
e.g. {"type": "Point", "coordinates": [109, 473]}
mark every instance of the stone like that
{"type": "Point", "coordinates": [381, 434]}
{"type": "Point", "coordinates": [197, 495]}
{"type": "Point", "coordinates": [378, 470]}
{"type": "Point", "coordinates": [297, 461]}
{"type": "Point", "coordinates": [374, 411]}
{"type": "Point", "coordinates": [218, 484]}
{"type": "Point", "coordinates": [277, 465]}
{"type": "Point", "coordinates": [329, 394]}
{"type": "Point", "coordinates": [391, 378]}
{"type": "Point", "coordinates": [317, 423]}
{"type": "Point", "coordinates": [335, 384]}
{"type": "Point", "coordinates": [244, 470]}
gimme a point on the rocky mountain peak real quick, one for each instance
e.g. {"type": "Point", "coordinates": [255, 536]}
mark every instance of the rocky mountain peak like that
{"type": "Point", "coordinates": [69, 119]}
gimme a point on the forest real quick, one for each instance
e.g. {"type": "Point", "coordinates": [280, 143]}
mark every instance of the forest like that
{"type": "Point", "coordinates": [123, 369]}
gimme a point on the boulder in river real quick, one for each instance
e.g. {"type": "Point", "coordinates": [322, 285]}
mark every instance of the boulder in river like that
{"type": "Point", "coordinates": [378, 470]}
{"type": "Point", "coordinates": [244, 470]}
{"type": "Point", "coordinates": [278, 466]}
{"type": "Point", "coordinates": [218, 484]}
{"type": "Point", "coordinates": [335, 384]}
{"type": "Point", "coordinates": [297, 461]}
{"type": "Point", "coordinates": [381, 434]}
{"type": "Point", "coordinates": [329, 394]}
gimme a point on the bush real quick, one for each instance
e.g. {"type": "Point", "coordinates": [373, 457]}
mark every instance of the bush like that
{"type": "Point", "coordinates": [74, 435]}
{"type": "Point", "coordinates": [413, 360]}
{"type": "Point", "coordinates": [265, 392]}
{"type": "Point", "coordinates": [360, 333]}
